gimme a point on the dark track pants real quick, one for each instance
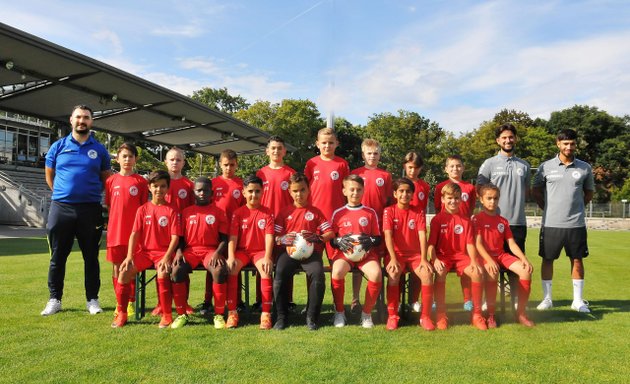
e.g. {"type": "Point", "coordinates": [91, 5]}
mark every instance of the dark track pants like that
{"type": "Point", "coordinates": [65, 222]}
{"type": "Point", "coordinates": [285, 270]}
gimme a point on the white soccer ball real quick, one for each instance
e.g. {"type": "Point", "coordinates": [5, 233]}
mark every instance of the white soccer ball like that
{"type": "Point", "coordinates": [357, 253]}
{"type": "Point", "coordinates": [301, 249]}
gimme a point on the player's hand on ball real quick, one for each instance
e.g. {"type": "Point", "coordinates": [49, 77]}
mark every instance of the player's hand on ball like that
{"type": "Point", "coordinates": [367, 242]}
{"type": "Point", "coordinates": [287, 239]}
{"type": "Point", "coordinates": [311, 237]}
{"type": "Point", "coordinates": [344, 243]}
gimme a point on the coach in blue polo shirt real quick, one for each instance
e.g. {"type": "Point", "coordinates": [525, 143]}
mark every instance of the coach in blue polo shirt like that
{"type": "Point", "coordinates": [562, 188]}
{"type": "Point", "coordinates": [76, 169]}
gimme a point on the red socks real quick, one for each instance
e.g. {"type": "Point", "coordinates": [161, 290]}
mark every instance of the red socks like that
{"type": "Point", "coordinates": [393, 298]}
{"type": "Point", "coordinates": [371, 295]}
{"type": "Point", "coordinates": [166, 297]}
{"type": "Point", "coordinates": [219, 291]}
{"type": "Point", "coordinates": [266, 293]}
{"type": "Point", "coordinates": [427, 300]}
{"type": "Point", "coordinates": [491, 296]}
{"type": "Point", "coordinates": [180, 292]}
{"type": "Point", "coordinates": [477, 294]}
{"type": "Point", "coordinates": [440, 296]}
{"type": "Point", "coordinates": [232, 291]}
{"type": "Point", "coordinates": [464, 281]}
{"type": "Point", "coordinates": [122, 296]}
{"type": "Point", "coordinates": [524, 288]}
{"type": "Point", "coordinates": [338, 290]}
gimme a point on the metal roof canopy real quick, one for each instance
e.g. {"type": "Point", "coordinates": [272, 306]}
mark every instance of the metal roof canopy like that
{"type": "Point", "coordinates": [42, 79]}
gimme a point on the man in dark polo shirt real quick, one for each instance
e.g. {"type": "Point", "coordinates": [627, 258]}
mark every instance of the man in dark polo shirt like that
{"type": "Point", "coordinates": [76, 169]}
{"type": "Point", "coordinates": [562, 188]}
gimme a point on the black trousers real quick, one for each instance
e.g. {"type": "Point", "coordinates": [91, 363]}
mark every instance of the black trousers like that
{"type": "Point", "coordinates": [65, 222]}
{"type": "Point", "coordinates": [285, 270]}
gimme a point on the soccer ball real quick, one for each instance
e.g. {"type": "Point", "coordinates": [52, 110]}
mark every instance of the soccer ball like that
{"type": "Point", "coordinates": [301, 249]}
{"type": "Point", "coordinates": [357, 253]}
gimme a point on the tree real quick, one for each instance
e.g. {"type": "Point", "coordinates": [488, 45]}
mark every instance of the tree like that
{"type": "Point", "coordinates": [220, 99]}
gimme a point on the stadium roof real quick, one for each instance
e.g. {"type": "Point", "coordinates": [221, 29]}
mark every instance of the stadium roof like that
{"type": "Point", "coordinates": [42, 79]}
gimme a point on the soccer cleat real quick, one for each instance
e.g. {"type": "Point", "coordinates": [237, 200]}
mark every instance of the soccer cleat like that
{"type": "Point", "coordinates": [492, 322]}
{"type": "Point", "coordinates": [157, 311]}
{"type": "Point", "coordinates": [205, 308]}
{"type": "Point", "coordinates": [339, 321]}
{"type": "Point", "coordinates": [415, 307]}
{"type": "Point", "coordinates": [366, 320]}
{"type": "Point", "coordinates": [219, 322]}
{"type": "Point", "coordinates": [120, 320]}
{"type": "Point", "coordinates": [427, 323]}
{"type": "Point", "coordinates": [524, 320]}
{"type": "Point", "coordinates": [265, 320]}
{"type": "Point", "coordinates": [442, 322]}
{"type": "Point", "coordinates": [280, 324]}
{"type": "Point", "coordinates": [52, 306]}
{"type": "Point", "coordinates": [392, 322]}
{"type": "Point", "coordinates": [94, 307]}
{"type": "Point", "coordinates": [257, 307]}
{"type": "Point", "coordinates": [180, 321]}
{"type": "Point", "coordinates": [311, 324]}
{"type": "Point", "coordinates": [131, 309]}
{"type": "Point", "coordinates": [355, 307]}
{"type": "Point", "coordinates": [479, 322]}
{"type": "Point", "coordinates": [545, 304]}
{"type": "Point", "coordinates": [232, 321]}
{"type": "Point", "coordinates": [484, 306]}
{"type": "Point", "coordinates": [240, 307]}
{"type": "Point", "coordinates": [468, 306]}
{"type": "Point", "coordinates": [580, 306]}
{"type": "Point", "coordinates": [292, 306]}
{"type": "Point", "coordinates": [165, 323]}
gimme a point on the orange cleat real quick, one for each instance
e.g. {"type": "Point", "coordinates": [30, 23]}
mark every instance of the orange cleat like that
{"type": "Point", "coordinates": [392, 322]}
{"type": "Point", "coordinates": [265, 321]}
{"type": "Point", "coordinates": [442, 322]}
{"type": "Point", "coordinates": [165, 322]}
{"type": "Point", "coordinates": [479, 322]}
{"type": "Point", "coordinates": [427, 323]}
{"type": "Point", "coordinates": [524, 320]}
{"type": "Point", "coordinates": [232, 321]}
{"type": "Point", "coordinates": [492, 322]}
{"type": "Point", "coordinates": [120, 320]}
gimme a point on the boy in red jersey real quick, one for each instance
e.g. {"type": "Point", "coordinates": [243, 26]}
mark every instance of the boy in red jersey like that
{"type": "Point", "coordinates": [355, 223]}
{"type": "Point", "coordinates": [405, 234]}
{"type": "Point", "coordinates": [125, 192]}
{"type": "Point", "coordinates": [204, 242]}
{"type": "Point", "coordinates": [412, 165]}
{"type": "Point", "coordinates": [377, 195]}
{"type": "Point", "coordinates": [452, 245]}
{"type": "Point", "coordinates": [491, 232]}
{"type": "Point", "coordinates": [153, 241]}
{"type": "Point", "coordinates": [308, 221]}
{"type": "Point", "coordinates": [454, 169]}
{"type": "Point", "coordinates": [251, 242]}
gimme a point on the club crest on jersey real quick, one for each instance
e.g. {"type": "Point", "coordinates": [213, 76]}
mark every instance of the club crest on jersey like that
{"type": "Point", "coordinates": [261, 223]}
{"type": "Point", "coordinates": [380, 182]}
{"type": "Point", "coordinates": [182, 193]}
{"type": "Point", "coordinates": [421, 196]}
{"type": "Point", "coordinates": [133, 190]}
{"type": "Point", "coordinates": [464, 196]}
{"type": "Point", "coordinates": [284, 185]}
{"type": "Point", "coordinates": [363, 221]}
{"type": "Point", "coordinates": [210, 219]}
{"type": "Point", "coordinates": [576, 175]}
{"type": "Point", "coordinates": [334, 175]}
{"type": "Point", "coordinates": [163, 221]}
{"type": "Point", "coordinates": [519, 171]}
{"type": "Point", "coordinates": [501, 227]}
{"type": "Point", "coordinates": [92, 154]}
{"type": "Point", "coordinates": [236, 193]}
{"type": "Point", "coordinates": [308, 216]}
{"type": "Point", "coordinates": [458, 229]}
{"type": "Point", "coordinates": [411, 224]}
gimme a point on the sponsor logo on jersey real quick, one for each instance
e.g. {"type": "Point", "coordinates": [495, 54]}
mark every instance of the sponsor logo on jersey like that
{"type": "Point", "coordinates": [182, 193]}
{"type": "Point", "coordinates": [465, 196]}
{"type": "Point", "coordinates": [501, 227]}
{"type": "Point", "coordinates": [284, 185]}
{"type": "Point", "coordinates": [236, 193]}
{"type": "Point", "coordinates": [519, 171]}
{"type": "Point", "coordinates": [261, 223]}
{"type": "Point", "coordinates": [334, 175]}
{"type": "Point", "coordinates": [459, 229]}
{"type": "Point", "coordinates": [309, 216]}
{"type": "Point", "coordinates": [133, 190]}
{"type": "Point", "coordinates": [92, 154]}
{"type": "Point", "coordinates": [576, 175]}
{"type": "Point", "coordinates": [163, 221]}
{"type": "Point", "coordinates": [363, 221]}
{"type": "Point", "coordinates": [210, 219]}
{"type": "Point", "coordinates": [412, 224]}
{"type": "Point", "coordinates": [380, 182]}
{"type": "Point", "coordinates": [421, 196]}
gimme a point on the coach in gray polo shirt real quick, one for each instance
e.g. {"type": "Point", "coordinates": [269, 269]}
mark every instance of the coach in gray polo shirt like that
{"type": "Point", "coordinates": [562, 188]}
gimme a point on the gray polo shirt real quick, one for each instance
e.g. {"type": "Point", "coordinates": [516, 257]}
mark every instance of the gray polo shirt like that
{"type": "Point", "coordinates": [512, 176]}
{"type": "Point", "coordinates": [564, 187]}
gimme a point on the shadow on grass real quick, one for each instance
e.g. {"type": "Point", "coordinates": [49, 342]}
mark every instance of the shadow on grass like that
{"type": "Point", "coordinates": [23, 246]}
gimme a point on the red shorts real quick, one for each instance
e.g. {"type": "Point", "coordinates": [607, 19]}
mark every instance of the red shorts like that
{"type": "Point", "coordinates": [145, 259]}
{"type": "Point", "coordinates": [371, 256]}
{"type": "Point", "coordinates": [409, 262]}
{"type": "Point", "coordinates": [249, 257]}
{"type": "Point", "coordinates": [117, 254]}
{"type": "Point", "coordinates": [504, 260]}
{"type": "Point", "coordinates": [458, 261]}
{"type": "Point", "coordinates": [194, 257]}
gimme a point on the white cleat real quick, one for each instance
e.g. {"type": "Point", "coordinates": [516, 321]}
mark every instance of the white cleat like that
{"type": "Point", "coordinates": [415, 307]}
{"type": "Point", "coordinates": [94, 307]}
{"type": "Point", "coordinates": [339, 320]}
{"type": "Point", "coordinates": [545, 304]}
{"type": "Point", "coordinates": [366, 320]}
{"type": "Point", "coordinates": [580, 306]}
{"type": "Point", "coordinates": [52, 306]}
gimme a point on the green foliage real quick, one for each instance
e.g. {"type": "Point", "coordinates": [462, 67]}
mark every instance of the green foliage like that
{"type": "Point", "coordinates": [220, 99]}
{"type": "Point", "coordinates": [622, 193]}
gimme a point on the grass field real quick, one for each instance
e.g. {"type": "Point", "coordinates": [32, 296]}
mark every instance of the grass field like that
{"type": "Point", "coordinates": [564, 347]}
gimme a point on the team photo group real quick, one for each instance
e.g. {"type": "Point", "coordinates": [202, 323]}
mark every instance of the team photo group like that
{"type": "Point", "coordinates": [366, 222]}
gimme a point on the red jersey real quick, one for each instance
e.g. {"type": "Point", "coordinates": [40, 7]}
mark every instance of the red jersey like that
{"type": "Point", "coordinates": [201, 225]}
{"type": "Point", "coordinates": [250, 226]}
{"type": "Point", "coordinates": [325, 180]}
{"type": "Point", "coordinates": [378, 188]}
{"type": "Point", "coordinates": [293, 219]}
{"type": "Point", "coordinates": [227, 194]}
{"type": "Point", "coordinates": [450, 234]}
{"type": "Point", "coordinates": [494, 231]}
{"type": "Point", "coordinates": [469, 197]}
{"type": "Point", "coordinates": [405, 225]}
{"type": "Point", "coordinates": [275, 195]}
{"type": "Point", "coordinates": [155, 224]}
{"type": "Point", "coordinates": [180, 194]}
{"type": "Point", "coordinates": [355, 221]}
{"type": "Point", "coordinates": [123, 195]}
{"type": "Point", "coordinates": [420, 199]}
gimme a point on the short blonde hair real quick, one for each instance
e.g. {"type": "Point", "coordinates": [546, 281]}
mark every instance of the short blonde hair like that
{"type": "Point", "coordinates": [178, 150]}
{"type": "Point", "coordinates": [452, 189]}
{"type": "Point", "coordinates": [326, 132]}
{"type": "Point", "coordinates": [370, 143]}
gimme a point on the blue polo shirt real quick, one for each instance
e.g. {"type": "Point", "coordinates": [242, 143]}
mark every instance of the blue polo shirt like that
{"type": "Point", "coordinates": [78, 169]}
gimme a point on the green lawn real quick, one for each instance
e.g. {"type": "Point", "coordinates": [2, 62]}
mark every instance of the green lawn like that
{"type": "Point", "coordinates": [75, 347]}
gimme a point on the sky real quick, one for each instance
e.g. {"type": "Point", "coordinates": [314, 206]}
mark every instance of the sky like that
{"type": "Point", "coordinates": [454, 62]}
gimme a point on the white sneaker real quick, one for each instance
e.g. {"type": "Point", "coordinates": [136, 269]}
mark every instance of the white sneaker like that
{"type": "Point", "coordinates": [580, 306]}
{"type": "Point", "coordinates": [52, 306]}
{"type": "Point", "coordinates": [484, 306]}
{"type": "Point", "coordinates": [94, 307]}
{"type": "Point", "coordinates": [415, 307]}
{"type": "Point", "coordinates": [366, 320]}
{"type": "Point", "coordinates": [340, 320]}
{"type": "Point", "coordinates": [545, 304]}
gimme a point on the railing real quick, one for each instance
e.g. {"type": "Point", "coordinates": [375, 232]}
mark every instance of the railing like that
{"type": "Point", "coordinates": [23, 191]}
